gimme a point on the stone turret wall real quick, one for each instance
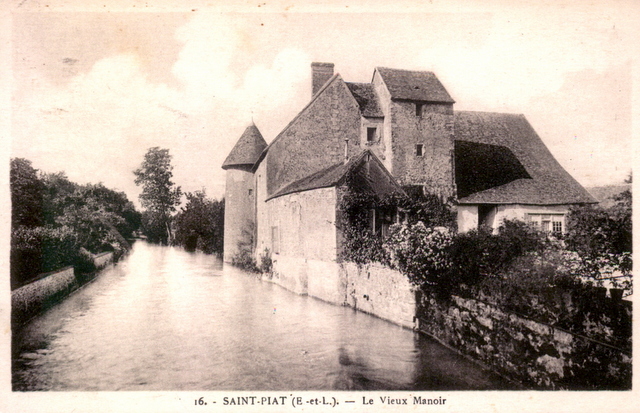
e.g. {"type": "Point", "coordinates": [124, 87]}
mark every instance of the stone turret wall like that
{"type": "Point", "coordinates": [239, 214]}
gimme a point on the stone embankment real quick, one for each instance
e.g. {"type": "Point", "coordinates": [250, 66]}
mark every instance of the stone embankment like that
{"type": "Point", "coordinates": [593, 355]}
{"type": "Point", "coordinates": [50, 288]}
{"type": "Point", "coordinates": [535, 354]}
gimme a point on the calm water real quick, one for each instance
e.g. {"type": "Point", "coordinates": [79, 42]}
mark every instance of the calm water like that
{"type": "Point", "coordinates": [166, 319]}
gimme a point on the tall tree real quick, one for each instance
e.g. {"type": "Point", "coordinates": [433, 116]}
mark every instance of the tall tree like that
{"type": "Point", "coordinates": [159, 194]}
{"type": "Point", "coordinates": [26, 194]}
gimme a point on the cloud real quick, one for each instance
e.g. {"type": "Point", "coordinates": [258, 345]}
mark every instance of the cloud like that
{"type": "Point", "coordinates": [524, 57]}
{"type": "Point", "coordinates": [227, 69]}
{"type": "Point", "coordinates": [205, 68]}
{"type": "Point", "coordinates": [99, 124]}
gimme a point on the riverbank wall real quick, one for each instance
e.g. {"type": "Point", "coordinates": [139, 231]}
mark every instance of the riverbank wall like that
{"type": "Point", "coordinates": [50, 288]}
{"type": "Point", "coordinates": [103, 259]}
{"type": "Point", "coordinates": [370, 288]}
{"type": "Point", "coordinates": [380, 291]}
{"type": "Point", "coordinates": [535, 354]}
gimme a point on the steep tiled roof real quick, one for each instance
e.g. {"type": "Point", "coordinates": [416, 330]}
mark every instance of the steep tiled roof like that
{"type": "Point", "coordinates": [414, 85]}
{"type": "Point", "coordinates": [367, 99]}
{"type": "Point", "coordinates": [529, 172]}
{"type": "Point", "coordinates": [247, 149]}
{"type": "Point", "coordinates": [376, 178]}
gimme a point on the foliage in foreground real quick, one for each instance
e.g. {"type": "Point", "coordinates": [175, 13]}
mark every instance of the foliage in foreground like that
{"type": "Point", "coordinates": [603, 239]}
{"type": "Point", "coordinates": [435, 257]}
{"type": "Point", "coordinates": [519, 269]}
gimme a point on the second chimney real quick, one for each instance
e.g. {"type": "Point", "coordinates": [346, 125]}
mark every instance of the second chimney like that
{"type": "Point", "coordinates": [320, 73]}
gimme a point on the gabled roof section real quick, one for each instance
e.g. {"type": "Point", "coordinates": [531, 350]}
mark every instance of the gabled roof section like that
{"type": "Point", "coordinates": [531, 175]}
{"type": "Point", "coordinates": [247, 150]}
{"type": "Point", "coordinates": [365, 95]}
{"type": "Point", "coordinates": [366, 167]}
{"type": "Point", "coordinates": [318, 93]}
{"type": "Point", "coordinates": [414, 85]}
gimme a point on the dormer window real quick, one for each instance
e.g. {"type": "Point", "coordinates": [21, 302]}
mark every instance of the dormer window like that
{"type": "Point", "coordinates": [419, 149]}
{"type": "Point", "coordinates": [419, 109]}
{"type": "Point", "coordinates": [371, 135]}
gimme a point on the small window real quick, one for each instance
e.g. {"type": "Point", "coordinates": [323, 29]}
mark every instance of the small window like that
{"type": "Point", "coordinates": [250, 192]}
{"type": "Point", "coordinates": [371, 135]}
{"type": "Point", "coordinates": [557, 227]}
{"type": "Point", "coordinates": [419, 151]}
{"type": "Point", "coordinates": [418, 109]}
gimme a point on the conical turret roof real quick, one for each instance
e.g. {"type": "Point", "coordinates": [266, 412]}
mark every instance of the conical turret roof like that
{"type": "Point", "coordinates": [247, 149]}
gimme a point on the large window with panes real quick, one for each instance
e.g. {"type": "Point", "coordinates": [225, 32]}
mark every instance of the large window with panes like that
{"type": "Point", "coordinates": [553, 223]}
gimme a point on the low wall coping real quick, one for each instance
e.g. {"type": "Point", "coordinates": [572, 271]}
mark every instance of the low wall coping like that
{"type": "Point", "coordinates": [42, 276]}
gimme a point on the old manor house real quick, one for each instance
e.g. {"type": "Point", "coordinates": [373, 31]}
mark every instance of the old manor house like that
{"type": "Point", "coordinates": [399, 130]}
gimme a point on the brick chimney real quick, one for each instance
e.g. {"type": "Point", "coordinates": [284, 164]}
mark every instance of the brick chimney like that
{"type": "Point", "coordinates": [320, 73]}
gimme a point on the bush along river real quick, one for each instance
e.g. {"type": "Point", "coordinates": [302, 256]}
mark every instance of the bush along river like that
{"type": "Point", "coordinates": [167, 319]}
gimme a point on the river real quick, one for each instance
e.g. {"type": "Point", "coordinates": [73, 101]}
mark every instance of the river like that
{"type": "Point", "coordinates": [166, 319]}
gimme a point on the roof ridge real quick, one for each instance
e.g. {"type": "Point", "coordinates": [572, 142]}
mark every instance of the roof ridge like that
{"type": "Point", "coordinates": [490, 112]}
{"type": "Point", "coordinates": [404, 70]}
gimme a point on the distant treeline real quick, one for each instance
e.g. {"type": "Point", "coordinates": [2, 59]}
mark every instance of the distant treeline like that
{"type": "Point", "coordinates": [56, 222]}
{"type": "Point", "coordinates": [198, 225]}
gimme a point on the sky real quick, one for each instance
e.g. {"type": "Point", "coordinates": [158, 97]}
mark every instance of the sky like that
{"type": "Point", "coordinates": [93, 88]}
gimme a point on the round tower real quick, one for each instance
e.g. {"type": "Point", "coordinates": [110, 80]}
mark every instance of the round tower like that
{"type": "Point", "coordinates": [240, 194]}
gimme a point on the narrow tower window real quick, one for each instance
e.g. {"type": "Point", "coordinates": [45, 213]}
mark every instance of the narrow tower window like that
{"type": "Point", "coordinates": [275, 240]}
{"type": "Point", "coordinates": [371, 135]}
{"type": "Point", "coordinates": [419, 149]}
{"type": "Point", "coordinates": [418, 109]}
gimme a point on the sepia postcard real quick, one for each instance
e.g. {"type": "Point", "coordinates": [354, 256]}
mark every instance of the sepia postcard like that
{"type": "Point", "coordinates": [349, 206]}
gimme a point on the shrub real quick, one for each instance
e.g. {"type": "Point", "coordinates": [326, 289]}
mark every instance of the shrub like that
{"type": "Point", "coordinates": [245, 260]}
{"type": "Point", "coordinates": [154, 228]}
{"type": "Point", "coordinates": [603, 240]}
{"type": "Point", "coordinates": [200, 224]}
{"type": "Point", "coordinates": [39, 250]}
{"type": "Point", "coordinates": [83, 262]}
{"type": "Point", "coordinates": [266, 263]}
{"type": "Point", "coordinates": [362, 246]}
{"type": "Point", "coordinates": [479, 254]}
{"type": "Point", "coordinates": [426, 207]}
{"type": "Point", "coordinates": [421, 253]}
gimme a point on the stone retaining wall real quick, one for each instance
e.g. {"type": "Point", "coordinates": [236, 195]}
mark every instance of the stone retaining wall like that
{"type": "Point", "coordinates": [50, 288]}
{"type": "Point", "coordinates": [371, 288]}
{"type": "Point", "coordinates": [101, 260]}
{"type": "Point", "coordinates": [537, 355]}
{"type": "Point", "coordinates": [380, 291]}
{"type": "Point", "coordinates": [32, 298]}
